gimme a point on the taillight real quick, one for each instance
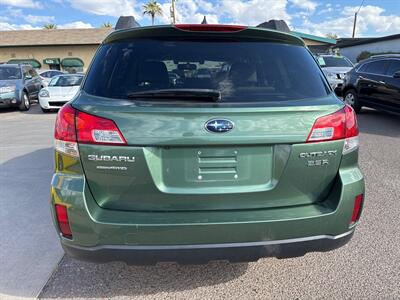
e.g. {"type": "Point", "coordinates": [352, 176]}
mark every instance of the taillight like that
{"type": "Point", "coordinates": [65, 124]}
{"type": "Point", "coordinates": [337, 126]}
{"type": "Point", "coordinates": [358, 203]}
{"type": "Point", "coordinates": [62, 220]}
{"type": "Point", "coordinates": [74, 126]}
{"type": "Point", "coordinates": [351, 122]}
{"type": "Point", "coordinates": [210, 27]}
{"type": "Point", "coordinates": [64, 133]}
{"type": "Point", "coordinates": [96, 130]}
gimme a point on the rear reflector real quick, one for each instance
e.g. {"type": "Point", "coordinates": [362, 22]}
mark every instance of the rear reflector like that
{"type": "Point", "coordinates": [358, 202]}
{"type": "Point", "coordinates": [62, 220]}
{"type": "Point", "coordinates": [210, 27]}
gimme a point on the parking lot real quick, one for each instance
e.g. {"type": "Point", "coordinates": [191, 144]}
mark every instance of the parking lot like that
{"type": "Point", "coordinates": [32, 261]}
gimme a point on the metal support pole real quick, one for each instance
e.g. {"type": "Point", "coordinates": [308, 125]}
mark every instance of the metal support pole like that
{"type": "Point", "coordinates": [354, 25]}
{"type": "Point", "coordinates": [173, 12]}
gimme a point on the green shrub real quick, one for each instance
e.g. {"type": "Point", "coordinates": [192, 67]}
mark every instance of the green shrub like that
{"type": "Point", "coordinates": [363, 55]}
{"type": "Point", "coordinates": [366, 54]}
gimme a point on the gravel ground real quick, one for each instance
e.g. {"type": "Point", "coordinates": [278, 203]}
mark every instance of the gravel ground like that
{"type": "Point", "coordinates": [366, 268]}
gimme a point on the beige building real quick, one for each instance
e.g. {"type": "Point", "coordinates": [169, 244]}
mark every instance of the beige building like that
{"type": "Point", "coordinates": [73, 49]}
{"type": "Point", "coordinates": [62, 49]}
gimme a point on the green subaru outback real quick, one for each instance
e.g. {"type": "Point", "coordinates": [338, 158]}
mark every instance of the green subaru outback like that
{"type": "Point", "coordinates": [192, 143]}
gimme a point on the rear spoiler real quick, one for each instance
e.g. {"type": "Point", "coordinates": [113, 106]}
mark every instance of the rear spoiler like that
{"type": "Point", "coordinates": [205, 31]}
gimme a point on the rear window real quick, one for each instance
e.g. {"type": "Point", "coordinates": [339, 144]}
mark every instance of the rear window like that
{"type": "Point", "coordinates": [241, 71]}
{"type": "Point", "coordinates": [334, 61]}
{"type": "Point", "coordinates": [66, 81]}
{"type": "Point", "coordinates": [9, 73]}
{"type": "Point", "coordinates": [46, 74]}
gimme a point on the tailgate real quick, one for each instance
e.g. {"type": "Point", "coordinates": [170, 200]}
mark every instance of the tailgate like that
{"type": "Point", "coordinates": [172, 163]}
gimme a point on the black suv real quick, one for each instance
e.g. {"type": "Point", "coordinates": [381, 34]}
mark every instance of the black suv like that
{"type": "Point", "coordinates": [375, 83]}
{"type": "Point", "coordinates": [18, 85]}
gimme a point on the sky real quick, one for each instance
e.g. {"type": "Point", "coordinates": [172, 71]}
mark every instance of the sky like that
{"type": "Point", "coordinates": [318, 17]}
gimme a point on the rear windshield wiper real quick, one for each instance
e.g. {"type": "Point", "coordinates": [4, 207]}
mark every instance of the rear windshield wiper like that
{"type": "Point", "coordinates": [179, 94]}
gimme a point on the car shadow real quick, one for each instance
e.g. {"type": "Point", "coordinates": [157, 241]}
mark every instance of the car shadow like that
{"type": "Point", "coordinates": [29, 249]}
{"type": "Point", "coordinates": [4, 110]}
{"type": "Point", "coordinates": [122, 280]}
{"type": "Point", "coordinates": [36, 110]}
{"type": "Point", "coordinates": [31, 256]}
{"type": "Point", "coordinates": [378, 123]}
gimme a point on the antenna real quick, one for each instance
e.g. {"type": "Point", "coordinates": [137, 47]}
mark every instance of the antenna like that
{"type": "Point", "coordinates": [125, 22]}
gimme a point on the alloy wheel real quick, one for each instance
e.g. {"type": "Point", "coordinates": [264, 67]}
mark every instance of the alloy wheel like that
{"type": "Point", "coordinates": [26, 101]}
{"type": "Point", "coordinates": [349, 99]}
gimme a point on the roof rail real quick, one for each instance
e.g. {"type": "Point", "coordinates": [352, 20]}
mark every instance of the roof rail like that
{"type": "Point", "coordinates": [386, 55]}
{"type": "Point", "coordinates": [327, 53]}
{"type": "Point", "coordinates": [15, 63]}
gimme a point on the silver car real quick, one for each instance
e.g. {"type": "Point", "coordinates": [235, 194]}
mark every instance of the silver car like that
{"type": "Point", "coordinates": [19, 84]}
{"type": "Point", "coordinates": [47, 75]}
{"type": "Point", "coordinates": [335, 68]}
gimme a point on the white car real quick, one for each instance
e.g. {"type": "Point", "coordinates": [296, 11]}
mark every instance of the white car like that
{"type": "Point", "coordinates": [335, 68]}
{"type": "Point", "coordinates": [47, 75]}
{"type": "Point", "coordinates": [60, 90]}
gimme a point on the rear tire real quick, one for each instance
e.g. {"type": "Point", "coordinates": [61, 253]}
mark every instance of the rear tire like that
{"type": "Point", "coordinates": [25, 102]}
{"type": "Point", "coordinates": [350, 98]}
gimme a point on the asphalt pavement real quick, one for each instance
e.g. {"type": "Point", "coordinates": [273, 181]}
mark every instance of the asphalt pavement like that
{"type": "Point", "coordinates": [29, 251]}
{"type": "Point", "coordinates": [366, 268]}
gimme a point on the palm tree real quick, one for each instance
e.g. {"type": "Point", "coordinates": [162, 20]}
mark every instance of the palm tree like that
{"type": "Point", "coordinates": [49, 26]}
{"type": "Point", "coordinates": [106, 25]}
{"type": "Point", "coordinates": [153, 9]}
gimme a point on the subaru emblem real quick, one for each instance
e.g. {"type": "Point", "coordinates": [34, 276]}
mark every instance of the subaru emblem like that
{"type": "Point", "coordinates": [219, 125]}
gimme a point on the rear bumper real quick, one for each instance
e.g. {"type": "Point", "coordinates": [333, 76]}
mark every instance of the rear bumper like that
{"type": "Point", "coordinates": [5, 103]}
{"type": "Point", "coordinates": [51, 103]}
{"type": "Point", "coordinates": [143, 237]}
{"type": "Point", "coordinates": [9, 100]}
{"type": "Point", "coordinates": [192, 254]}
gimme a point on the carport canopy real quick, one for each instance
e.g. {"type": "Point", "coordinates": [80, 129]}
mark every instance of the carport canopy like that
{"type": "Point", "coordinates": [30, 61]}
{"type": "Point", "coordinates": [51, 61]}
{"type": "Point", "coordinates": [73, 62]}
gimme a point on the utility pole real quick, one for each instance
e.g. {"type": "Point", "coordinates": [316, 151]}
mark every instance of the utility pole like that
{"type": "Point", "coordinates": [355, 19]}
{"type": "Point", "coordinates": [354, 25]}
{"type": "Point", "coordinates": [173, 12]}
